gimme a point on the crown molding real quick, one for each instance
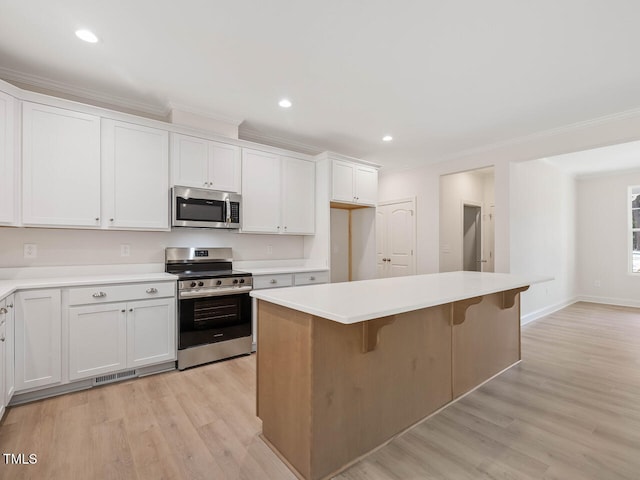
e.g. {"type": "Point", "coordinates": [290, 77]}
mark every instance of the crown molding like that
{"type": "Point", "coordinates": [235, 121]}
{"type": "Point", "coordinates": [82, 92]}
{"type": "Point", "coordinates": [276, 141]}
{"type": "Point", "coordinates": [544, 134]}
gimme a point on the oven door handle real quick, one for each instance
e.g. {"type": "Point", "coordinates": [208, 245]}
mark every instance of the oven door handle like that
{"type": "Point", "coordinates": [205, 292]}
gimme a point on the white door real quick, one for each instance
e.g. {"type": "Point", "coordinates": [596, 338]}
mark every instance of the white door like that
{"type": "Point", "coordinates": [224, 167]}
{"type": "Point", "coordinates": [298, 196]}
{"type": "Point", "coordinates": [7, 159]}
{"type": "Point", "coordinates": [97, 340]}
{"type": "Point", "coordinates": [136, 176]}
{"type": "Point", "coordinates": [489, 244]}
{"type": "Point", "coordinates": [366, 185]}
{"type": "Point", "coordinates": [261, 200]}
{"type": "Point", "coordinates": [151, 332]}
{"type": "Point", "coordinates": [38, 347]}
{"type": "Point", "coordinates": [60, 167]}
{"type": "Point", "coordinates": [3, 356]}
{"type": "Point", "coordinates": [189, 161]}
{"type": "Point", "coordinates": [395, 238]}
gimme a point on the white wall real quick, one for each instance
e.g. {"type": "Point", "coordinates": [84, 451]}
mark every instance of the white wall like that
{"type": "Point", "coordinates": [101, 247]}
{"type": "Point", "coordinates": [603, 240]}
{"type": "Point", "coordinates": [543, 226]}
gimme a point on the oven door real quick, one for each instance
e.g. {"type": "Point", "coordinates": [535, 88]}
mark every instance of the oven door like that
{"type": "Point", "coordinates": [205, 320]}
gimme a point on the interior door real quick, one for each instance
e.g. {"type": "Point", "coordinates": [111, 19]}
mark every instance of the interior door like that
{"type": "Point", "coordinates": [395, 238]}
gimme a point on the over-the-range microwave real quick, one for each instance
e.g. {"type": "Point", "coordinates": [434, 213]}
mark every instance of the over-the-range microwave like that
{"type": "Point", "coordinates": [200, 208]}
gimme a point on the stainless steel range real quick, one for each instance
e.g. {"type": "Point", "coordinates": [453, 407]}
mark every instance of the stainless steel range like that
{"type": "Point", "coordinates": [214, 306]}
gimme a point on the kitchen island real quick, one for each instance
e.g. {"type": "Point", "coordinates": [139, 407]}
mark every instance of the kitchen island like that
{"type": "Point", "coordinates": [342, 368]}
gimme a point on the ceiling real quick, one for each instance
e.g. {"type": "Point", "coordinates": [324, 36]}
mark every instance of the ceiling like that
{"type": "Point", "coordinates": [440, 77]}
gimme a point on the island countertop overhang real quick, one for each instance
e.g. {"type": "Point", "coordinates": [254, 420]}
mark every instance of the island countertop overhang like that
{"type": "Point", "coordinates": [352, 302]}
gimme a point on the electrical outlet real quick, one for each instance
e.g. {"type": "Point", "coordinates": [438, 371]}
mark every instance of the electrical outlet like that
{"type": "Point", "coordinates": [30, 250]}
{"type": "Point", "coordinates": [125, 250]}
{"type": "Point", "coordinates": [270, 249]}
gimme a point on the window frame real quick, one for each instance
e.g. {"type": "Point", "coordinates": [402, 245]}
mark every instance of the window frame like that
{"type": "Point", "coordinates": [631, 229]}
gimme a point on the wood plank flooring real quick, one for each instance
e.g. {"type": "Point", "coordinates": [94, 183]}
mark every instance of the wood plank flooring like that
{"type": "Point", "coordinates": [570, 409]}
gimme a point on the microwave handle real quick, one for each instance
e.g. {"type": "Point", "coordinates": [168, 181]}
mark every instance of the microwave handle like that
{"type": "Point", "coordinates": [228, 209]}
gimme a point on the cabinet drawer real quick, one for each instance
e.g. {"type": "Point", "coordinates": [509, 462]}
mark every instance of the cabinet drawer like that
{"type": "Point", "coordinates": [311, 278]}
{"type": "Point", "coordinates": [119, 293]}
{"type": "Point", "coordinates": [272, 281]}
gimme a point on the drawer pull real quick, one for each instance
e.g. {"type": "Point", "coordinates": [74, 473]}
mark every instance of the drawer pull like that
{"type": "Point", "coordinates": [2, 339]}
{"type": "Point", "coordinates": [3, 310]}
{"type": "Point", "coordinates": [99, 295]}
{"type": "Point", "coordinates": [312, 278]}
{"type": "Point", "coordinates": [273, 280]}
{"type": "Point", "coordinates": [152, 290]}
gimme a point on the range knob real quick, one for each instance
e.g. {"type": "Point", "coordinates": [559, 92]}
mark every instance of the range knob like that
{"type": "Point", "coordinates": [242, 280]}
{"type": "Point", "coordinates": [193, 284]}
{"type": "Point", "coordinates": [218, 282]}
{"type": "Point", "coordinates": [235, 280]}
{"type": "Point", "coordinates": [200, 284]}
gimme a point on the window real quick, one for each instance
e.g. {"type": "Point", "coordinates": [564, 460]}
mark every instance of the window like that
{"type": "Point", "coordinates": [634, 224]}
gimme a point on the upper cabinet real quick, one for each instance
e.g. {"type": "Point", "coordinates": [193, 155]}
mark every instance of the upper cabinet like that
{"type": "Point", "coordinates": [7, 158]}
{"type": "Point", "coordinates": [354, 183]}
{"type": "Point", "coordinates": [278, 194]}
{"type": "Point", "coordinates": [135, 171]}
{"type": "Point", "coordinates": [200, 163]}
{"type": "Point", "coordinates": [60, 167]}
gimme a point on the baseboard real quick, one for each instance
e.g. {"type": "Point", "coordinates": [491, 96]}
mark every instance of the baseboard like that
{"type": "Point", "coordinates": [548, 310]}
{"type": "Point", "coordinates": [620, 302]}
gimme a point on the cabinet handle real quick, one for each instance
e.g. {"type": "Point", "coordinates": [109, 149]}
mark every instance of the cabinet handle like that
{"type": "Point", "coordinates": [206, 184]}
{"type": "Point", "coordinates": [273, 280]}
{"type": "Point", "coordinates": [10, 305]}
{"type": "Point", "coordinates": [123, 310]}
{"type": "Point", "coordinates": [312, 278]}
{"type": "Point", "coordinates": [131, 309]}
{"type": "Point", "coordinates": [285, 227]}
{"type": "Point", "coordinates": [2, 339]}
{"type": "Point", "coordinates": [278, 227]}
{"type": "Point", "coordinates": [3, 311]}
{"type": "Point", "coordinates": [97, 219]}
{"type": "Point", "coordinates": [99, 295]}
{"type": "Point", "coordinates": [111, 219]}
{"type": "Point", "coordinates": [152, 290]}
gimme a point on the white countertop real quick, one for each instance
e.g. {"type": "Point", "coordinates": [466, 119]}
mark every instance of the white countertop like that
{"type": "Point", "coordinates": [8, 286]}
{"type": "Point", "coordinates": [352, 302]}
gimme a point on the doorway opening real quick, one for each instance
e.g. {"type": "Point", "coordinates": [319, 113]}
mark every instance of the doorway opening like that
{"type": "Point", "coordinates": [472, 238]}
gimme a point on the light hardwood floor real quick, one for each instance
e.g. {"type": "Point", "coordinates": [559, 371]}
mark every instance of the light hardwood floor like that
{"type": "Point", "coordinates": [569, 410]}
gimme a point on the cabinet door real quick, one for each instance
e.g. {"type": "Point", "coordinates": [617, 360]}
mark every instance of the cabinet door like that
{"type": "Point", "coordinates": [224, 167]}
{"type": "Point", "coordinates": [9, 345]}
{"type": "Point", "coordinates": [37, 339]}
{"type": "Point", "coordinates": [342, 174]}
{"type": "Point", "coordinates": [136, 176]}
{"type": "Point", "coordinates": [366, 185]}
{"type": "Point", "coordinates": [97, 340]}
{"type": "Point", "coordinates": [7, 159]}
{"type": "Point", "coordinates": [298, 196]}
{"type": "Point", "coordinates": [189, 161]}
{"type": "Point", "coordinates": [60, 167]}
{"type": "Point", "coordinates": [151, 332]}
{"type": "Point", "coordinates": [260, 192]}
{"type": "Point", "coordinates": [3, 356]}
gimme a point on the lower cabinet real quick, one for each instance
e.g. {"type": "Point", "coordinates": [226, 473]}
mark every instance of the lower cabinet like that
{"type": "Point", "coordinates": [38, 323]}
{"type": "Point", "coordinates": [110, 337]}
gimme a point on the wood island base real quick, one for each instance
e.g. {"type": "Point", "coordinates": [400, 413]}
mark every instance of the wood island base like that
{"type": "Point", "coordinates": [329, 393]}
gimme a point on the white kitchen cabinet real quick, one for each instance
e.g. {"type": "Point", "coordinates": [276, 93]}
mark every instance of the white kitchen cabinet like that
{"type": "Point", "coordinates": [60, 167]}
{"type": "Point", "coordinates": [151, 332]}
{"type": "Point", "coordinates": [298, 196]}
{"type": "Point", "coordinates": [116, 327]}
{"type": "Point", "coordinates": [200, 163]}
{"type": "Point", "coordinates": [135, 176]}
{"type": "Point", "coordinates": [261, 198]}
{"type": "Point", "coordinates": [37, 338]}
{"type": "Point", "coordinates": [3, 357]}
{"type": "Point", "coordinates": [354, 183]}
{"type": "Point", "coordinates": [7, 159]}
{"type": "Point", "coordinates": [9, 346]}
{"type": "Point", "coordinates": [97, 340]}
{"type": "Point", "coordinates": [278, 194]}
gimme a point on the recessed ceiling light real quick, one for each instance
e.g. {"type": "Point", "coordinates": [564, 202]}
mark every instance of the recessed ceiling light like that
{"type": "Point", "coordinates": [285, 103]}
{"type": "Point", "coordinates": [387, 138]}
{"type": "Point", "coordinates": [87, 36]}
